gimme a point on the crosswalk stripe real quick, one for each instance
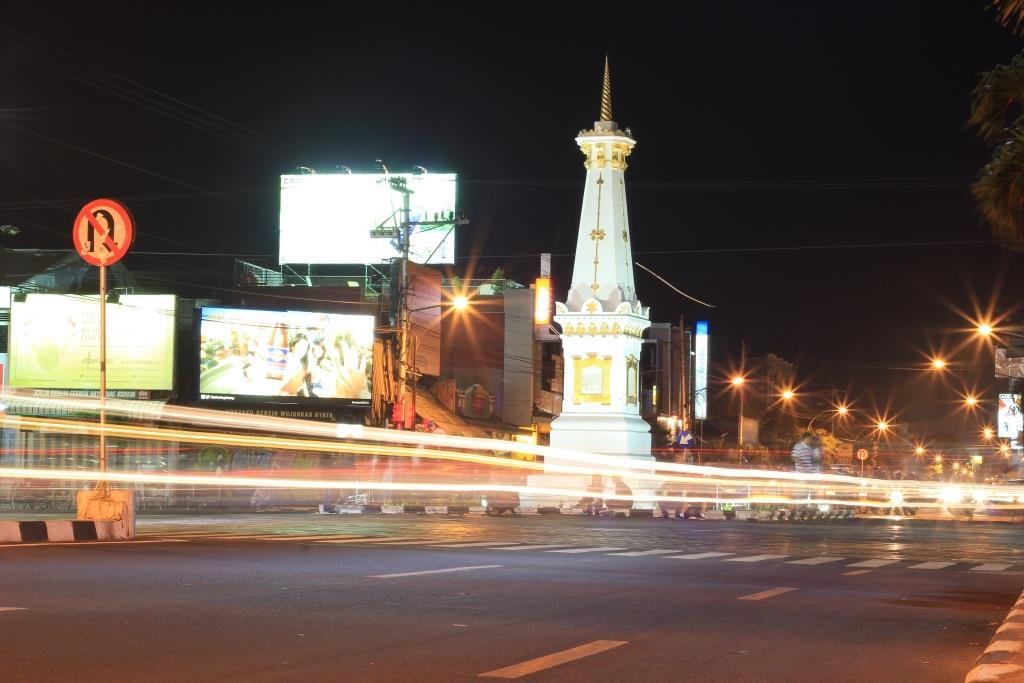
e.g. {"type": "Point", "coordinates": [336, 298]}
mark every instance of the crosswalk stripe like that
{"type": "Point", "coordinates": [817, 560]}
{"type": "Point", "coordinates": [432, 541]}
{"type": "Point", "coordinates": [931, 565]}
{"type": "Point", "coordinates": [369, 539]}
{"type": "Point", "coordinates": [991, 567]}
{"type": "Point", "coordinates": [755, 558]}
{"type": "Point", "coordinates": [697, 556]}
{"type": "Point", "coordinates": [874, 564]}
{"type": "Point", "coordinates": [858, 572]}
{"type": "Point", "coordinates": [586, 550]}
{"type": "Point", "coordinates": [641, 553]}
{"type": "Point", "coordinates": [474, 544]}
{"type": "Point", "coordinates": [319, 537]}
{"type": "Point", "coordinates": [264, 537]}
{"type": "Point", "coordinates": [435, 571]}
{"type": "Point", "coordinates": [532, 547]}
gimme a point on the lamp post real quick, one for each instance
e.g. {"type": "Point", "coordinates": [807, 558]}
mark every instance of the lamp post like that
{"type": "Point", "coordinates": [737, 383]}
{"type": "Point", "coordinates": [841, 410]}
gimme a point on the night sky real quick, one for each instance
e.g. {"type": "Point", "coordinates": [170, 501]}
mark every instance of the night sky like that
{"type": "Point", "coordinates": [770, 140]}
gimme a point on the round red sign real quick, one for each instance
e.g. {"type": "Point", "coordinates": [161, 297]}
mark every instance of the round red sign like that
{"type": "Point", "coordinates": [103, 232]}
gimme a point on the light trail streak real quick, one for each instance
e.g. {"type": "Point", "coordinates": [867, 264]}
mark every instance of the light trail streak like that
{"type": "Point", "coordinates": [228, 481]}
{"type": "Point", "coordinates": [239, 440]}
{"type": "Point", "coordinates": [359, 440]}
{"type": "Point", "coordinates": [200, 416]}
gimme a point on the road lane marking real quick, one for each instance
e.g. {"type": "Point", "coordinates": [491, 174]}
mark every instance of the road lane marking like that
{"type": "Point", "coordinates": [641, 553]}
{"type": "Point", "coordinates": [991, 567]}
{"type": "Point", "coordinates": [586, 550]}
{"type": "Point", "coordinates": [13, 609]}
{"type": "Point", "coordinates": [532, 547]}
{"type": "Point", "coordinates": [755, 558]}
{"type": "Point", "coordinates": [817, 560]}
{"type": "Point", "coordinates": [767, 594]}
{"type": "Point", "coordinates": [557, 659]}
{"type": "Point", "coordinates": [697, 556]}
{"type": "Point", "coordinates": [474, 544]}
{"type": "Point", "coordinates": [874, 564]}
{"type": "Point", "coordinates": [858, 572]}
{"type": "Point", "coordinates": [368, 539]}
{"type": "Point", "coordinates": [931, 565]}
{"type": "Point", "coordinates": [435, 571]}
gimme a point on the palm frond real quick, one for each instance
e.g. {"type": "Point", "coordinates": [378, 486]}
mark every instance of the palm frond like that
{"type": "Point", "coordinates": [998, 102]}
{"type": "Point", "coordinates": [1010, 13]}
{"type": "Point", "coordinates": [999, 191]}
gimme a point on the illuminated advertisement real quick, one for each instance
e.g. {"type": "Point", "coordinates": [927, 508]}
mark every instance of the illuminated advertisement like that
{"type": "Point", "coordinates": [284, 356]}
{"type": "Point", "coordinates": [54, 342]}
{"type": "Point", "coordinates": [1009, 363]}
{"type": "Point", "coordinates": [1010, 417]}
{"type": "Point", "coordinates": [354, 218]}
{"type": "Point", "coordinates": [700, 371]}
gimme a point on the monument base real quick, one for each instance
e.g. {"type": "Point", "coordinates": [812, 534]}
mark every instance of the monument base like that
{"type": "Point", "coordinates": [618, 434]}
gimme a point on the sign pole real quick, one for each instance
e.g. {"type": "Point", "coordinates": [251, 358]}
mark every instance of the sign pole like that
{"type": "Point", "coordinates": [101, 486]}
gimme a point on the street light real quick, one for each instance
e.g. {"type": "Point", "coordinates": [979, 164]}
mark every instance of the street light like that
{"type": "Point", "coordinates": [971, 401]}
{"type": "Point", "coordinates": [458, 303]}
{"type": "Point", "coordinates": [984, 329]}
{"type": "Point", "coordinates": [788, 395]}
{"type": "Point", "coordinates": [737, 382]}
{"type": "Point", "coordinates": [987, 433]}
{"type": "Point", "coordinates": [938, 363]}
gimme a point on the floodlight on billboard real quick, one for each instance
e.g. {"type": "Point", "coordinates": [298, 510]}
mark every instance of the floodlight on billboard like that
{"type": "Point", "coordinates": [1010, 417]}
{"type": "Point", "coordinates": [254, 356]}
{"type": "Point", "coordinates": [542, 301]}
{"type": "Point", "coordinates": [344, 218]}
{"type": "Point", "coordinates": [54, 342]}
{"type": "Point", "coordinates": [700, 371]}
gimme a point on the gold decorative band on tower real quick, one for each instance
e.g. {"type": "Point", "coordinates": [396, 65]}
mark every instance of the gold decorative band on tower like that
{"type": "Point", "coordinates": [605, 155]}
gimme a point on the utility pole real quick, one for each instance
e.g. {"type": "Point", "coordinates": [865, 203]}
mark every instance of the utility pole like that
{"type": "Point", "coordinates": [743, 367]}
{"type": "Point", "coordinates": [399, 184]}
{"type": "Point", "coordinates": [404, 237]}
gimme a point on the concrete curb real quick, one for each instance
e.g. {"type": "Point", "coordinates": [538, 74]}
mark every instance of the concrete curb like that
{"type": "Point", "coordinates": [57, 530]}
{"type": "Point", "coordinates": [1003, 659]}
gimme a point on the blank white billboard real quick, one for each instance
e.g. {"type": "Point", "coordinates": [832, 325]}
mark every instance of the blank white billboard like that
{"type": "Point", "coordinates": [328, 218]}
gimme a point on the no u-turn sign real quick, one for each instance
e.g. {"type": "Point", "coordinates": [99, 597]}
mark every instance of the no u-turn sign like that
{"type": "Point", "coordinates": [103, 232]}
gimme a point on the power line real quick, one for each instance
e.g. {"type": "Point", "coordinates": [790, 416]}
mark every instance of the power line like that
{"type": "Point", "coordinates": [74, 67]}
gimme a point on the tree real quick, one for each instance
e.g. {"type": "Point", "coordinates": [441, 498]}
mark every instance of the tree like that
{"type": "Point", "coordinates": [779, 430]}
{"type": "Point", "coordinates": [997, 111]}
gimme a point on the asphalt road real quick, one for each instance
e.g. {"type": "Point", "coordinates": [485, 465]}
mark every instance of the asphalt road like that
{"type": "Point", "coordinates": [300, 597]}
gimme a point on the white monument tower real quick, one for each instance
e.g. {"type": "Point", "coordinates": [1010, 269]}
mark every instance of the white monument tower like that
{"type": "Point", "coordinates": [602, 321]}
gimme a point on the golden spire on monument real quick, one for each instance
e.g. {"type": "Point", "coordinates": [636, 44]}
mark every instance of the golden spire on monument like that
{"type": "Point", "coordinates": [606, 94]}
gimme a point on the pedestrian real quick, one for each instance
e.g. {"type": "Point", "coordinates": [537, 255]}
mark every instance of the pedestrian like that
{"type": "Point", "coordinates": [807, 458]}
{"type": "Point", "coordinates": [807, 454]}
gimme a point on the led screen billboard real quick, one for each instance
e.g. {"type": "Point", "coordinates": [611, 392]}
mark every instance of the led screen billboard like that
{"type": "Point", "coordinates": [54, 342]}
{"type": "Point", "coordinates": [329, 218]}
{"type": "Point", "coordinates": [700, 371]}
{"type": "Point", "coordinates": [1011, 419]}
{"type": "Point", "coordinates": [257, 356]}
